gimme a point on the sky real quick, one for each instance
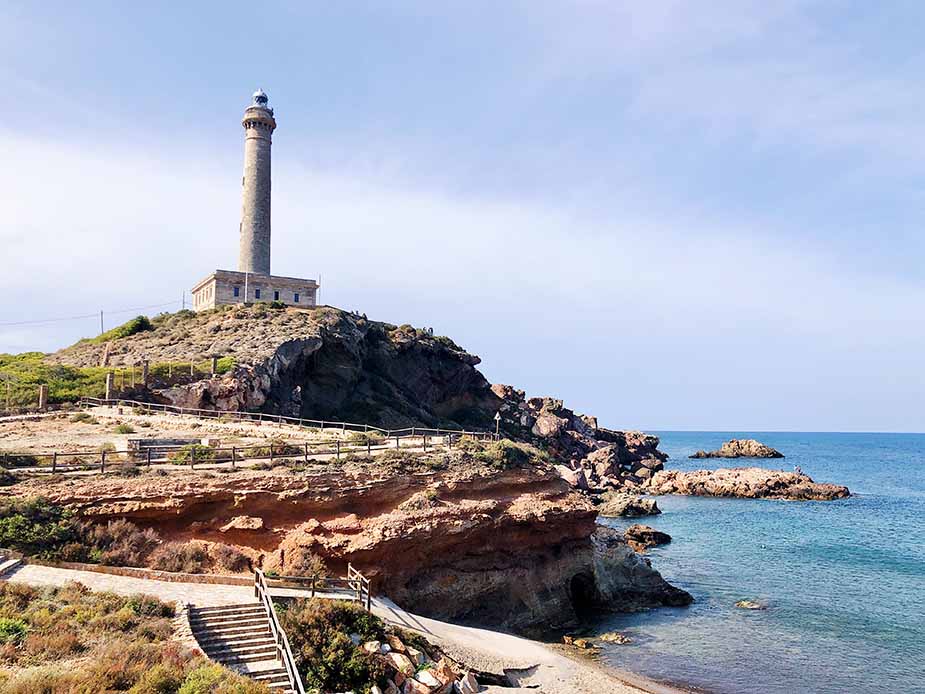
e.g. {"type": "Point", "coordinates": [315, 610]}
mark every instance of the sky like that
{"type": "Point", "coordinates": [671, 215]}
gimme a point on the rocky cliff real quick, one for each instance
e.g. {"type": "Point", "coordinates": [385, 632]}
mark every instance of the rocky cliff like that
{"type": "Point", "coordinates": [325, 363]}
{"type": "Point", "coordinates": [489, 535]}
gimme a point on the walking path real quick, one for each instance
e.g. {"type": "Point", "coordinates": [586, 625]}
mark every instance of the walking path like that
{"type": "Point", "coordinates": [205, 594]}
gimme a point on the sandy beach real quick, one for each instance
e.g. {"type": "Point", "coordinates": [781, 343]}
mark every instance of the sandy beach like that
{"type": "Point", "coordinates": [530, 665]}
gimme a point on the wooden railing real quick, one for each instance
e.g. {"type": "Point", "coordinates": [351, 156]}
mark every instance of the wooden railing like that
{"type": "Point", "coordinates": [237, 416]}
{"type": "Point", "coordinates": [354, 586]}
{"type": "Point", "coordinates": [283, 649]}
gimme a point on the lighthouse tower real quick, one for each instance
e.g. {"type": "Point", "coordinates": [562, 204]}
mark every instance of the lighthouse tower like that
{"type": "Point", "coordinates": [252, 282]}
{"type": "Point", "coordinates": [259, 124]}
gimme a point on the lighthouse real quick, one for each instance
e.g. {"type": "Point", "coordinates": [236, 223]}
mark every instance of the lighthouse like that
{"type": "Point", "coordinates": [259, 124]}
{"type": "Point", "coordinates": [252, 282]}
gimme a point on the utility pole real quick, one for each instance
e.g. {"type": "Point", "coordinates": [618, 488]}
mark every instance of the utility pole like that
{"type": "Point", "coordinates": [183, 300]}
{"type": "Point", "coordinates": [101, 322]}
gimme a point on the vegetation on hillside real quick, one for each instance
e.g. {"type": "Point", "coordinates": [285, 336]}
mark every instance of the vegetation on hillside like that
{"type": "Point", "coordinates": [69, 639]}
{"type": "Point", "coordinates": [138, 324]}
{"type": "Point", "coordinates": [39, 528]}
{"type": "Point", "coordinates": [25, 372]}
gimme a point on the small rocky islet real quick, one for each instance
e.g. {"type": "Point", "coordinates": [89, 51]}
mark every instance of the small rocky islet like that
{"type": "Point", "coordinates": [740, 448]}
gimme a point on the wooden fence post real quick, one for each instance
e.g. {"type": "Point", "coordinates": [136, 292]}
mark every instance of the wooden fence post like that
{"type": "Point", "coordinates": [233, 456]}
{"type": "Point", "coordinates": [54, 461]}
{"type": "Point", "coordinates": [271, 451]}
{"type": "Point", "coordinates": [148, 456]}
{"type": "Point", "coordinates": [425, 442]}
{"type": "Point", "coordinates": [306, 451]}
{"type": "Point", "coordinates": [192, 457]}
{"type": "Point", "coordinates": [338, 449]}
{"type": "Point", "coordinates": [397, 444]}
{"type": "Point", "coordinates": [369, 447]}
{"type": "Point", "coordinates": [102, 461]}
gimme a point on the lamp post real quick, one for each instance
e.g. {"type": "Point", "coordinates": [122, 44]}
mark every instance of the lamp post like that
{"type": "Point", "coordinates": [497, 425]}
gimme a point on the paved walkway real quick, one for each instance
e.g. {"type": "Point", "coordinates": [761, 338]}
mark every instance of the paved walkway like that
{"type": "Point", "coordinates": [200, 594]}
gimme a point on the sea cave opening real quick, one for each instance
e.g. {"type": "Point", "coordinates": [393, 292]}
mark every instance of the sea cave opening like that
{"type": "Point", "coordinates": [582, 591]}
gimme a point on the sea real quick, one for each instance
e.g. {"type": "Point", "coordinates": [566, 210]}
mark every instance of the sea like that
{"type": "Point", "coordinates": [843, 581]}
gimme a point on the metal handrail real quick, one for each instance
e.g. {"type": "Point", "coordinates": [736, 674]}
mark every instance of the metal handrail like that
{"type": "Point", "coordinates": [283, 649]}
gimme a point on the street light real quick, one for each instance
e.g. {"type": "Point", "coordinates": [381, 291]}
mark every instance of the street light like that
{"type": "Point", "coordinates": [497, 424]}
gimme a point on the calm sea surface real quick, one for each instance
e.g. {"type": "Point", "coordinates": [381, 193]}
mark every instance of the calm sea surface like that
{"type": "Point", "coordinates": [844, 580]}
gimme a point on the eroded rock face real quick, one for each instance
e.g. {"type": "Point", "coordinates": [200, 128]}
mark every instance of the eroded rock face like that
{"type": "Point", "coordinates": [741, 448]}
{"type": "Point", "coordinates": [626, 579]}
{"type": "Point", "coordinates": [746, 482]}
{"type": "Point", "coordinates": [509, 548]}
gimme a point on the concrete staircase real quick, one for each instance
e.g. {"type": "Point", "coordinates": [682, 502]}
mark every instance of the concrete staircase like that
{"type": "Point", "coordinates": [239, 637]}
{"type": "Point", "coordinates": [8, 561]}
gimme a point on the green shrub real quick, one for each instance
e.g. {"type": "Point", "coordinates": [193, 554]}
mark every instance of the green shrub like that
{"type": "Point", "coordinates": [230, 558]}
{"type": "Point", "coordinates": [125, 429]}
{"type": "Point", "coordinates": [502, 454]}
{"type": "Point", "coordinates": [36, 526]}
{"type": "Point", "coordinates": [303, 562]}
{"type": "Point", "coordinates": [319, 633]}
{"type": "Point", "coordinates": [278, 446]}
{"type": "Point", "coordinates": [362, 437]}
{"type": "Point", "coordinates": [181, 557]}
{"type": "Point", "coordinates": [136, 325]}
{"type": "Point", "coordinates": [12, 630]}
{"type": "Point", "coordinates": [85, 417]}
{"type": "Point", "coordinates": [184, 456]}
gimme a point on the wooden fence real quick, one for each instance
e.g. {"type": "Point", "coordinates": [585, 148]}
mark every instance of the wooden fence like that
{"type": "Point", "coordinates": [261, 417]}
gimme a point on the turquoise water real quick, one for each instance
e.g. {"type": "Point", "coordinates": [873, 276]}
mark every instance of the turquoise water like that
{"type": "Point", "coordinates": [844, 580]}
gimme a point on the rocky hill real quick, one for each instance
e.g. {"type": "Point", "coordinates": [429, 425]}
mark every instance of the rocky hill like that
{"type": "Point", "coordinates": [324, 363]}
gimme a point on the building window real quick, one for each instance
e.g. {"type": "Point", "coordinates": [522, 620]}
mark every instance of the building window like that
{"type": "Point", "coordinates": [256, 293]}
{"type": "Point", "coordinates": [295, 298]}
{"type": "Point", "coordinates": [237, 291]}
{"type": "Point", "coordinates": [275, 296]}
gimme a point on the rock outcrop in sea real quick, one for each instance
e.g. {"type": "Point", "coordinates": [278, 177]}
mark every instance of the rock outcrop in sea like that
{"type": "Point", "coordinates": [740, 448]}
{"type": "Point", "coordinates": [745, 482]}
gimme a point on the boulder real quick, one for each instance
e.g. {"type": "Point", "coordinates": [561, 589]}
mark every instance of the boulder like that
{"type": "Point", "coordinates": [641, 537]}
{"type": "Point", "coordinates": [395, 643]}
{"type": "Point", "coordinates": [614, 505]}
{"type": "Point", "coordinates": [614, 637]}
{"type": "Point", "coordinates": [468, 684]}
{"type": "Point", "coordinates": [575, 478]}
{"type": "Point", "coordinates": [751, 605]}
{"type": "Point", "coordinates": [417, 657]}
{"type": "Point", "coordinates": [401, 663]}
{"type": "Point", "coordinates": [741, 448]}
{"type": "Point", "coordinates": [428, 678]}
{"type": "Point", "coordinates": [372, 647]}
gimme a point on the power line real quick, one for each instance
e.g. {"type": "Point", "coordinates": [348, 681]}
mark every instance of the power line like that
{"type": "Point", "coordinates": [89, 315]}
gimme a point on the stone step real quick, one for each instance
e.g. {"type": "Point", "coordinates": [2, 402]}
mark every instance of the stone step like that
{"type": "Point", "coordinates": [8, 565]}
{"type": "Point", "coordinates": [235, 628]}
{"type": "Point", "coordinates": [207, 622]}
{"type": "Point", "coordinates": [236, 659]}
{"type": "Point", "coordinates": [226, 608]}
{"type": "Point", "coordinates": [239, 640]}
{"type": "Point", "coordinates": [267, 676]}
{"type": "Point", "coordinates": [264, 650]}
